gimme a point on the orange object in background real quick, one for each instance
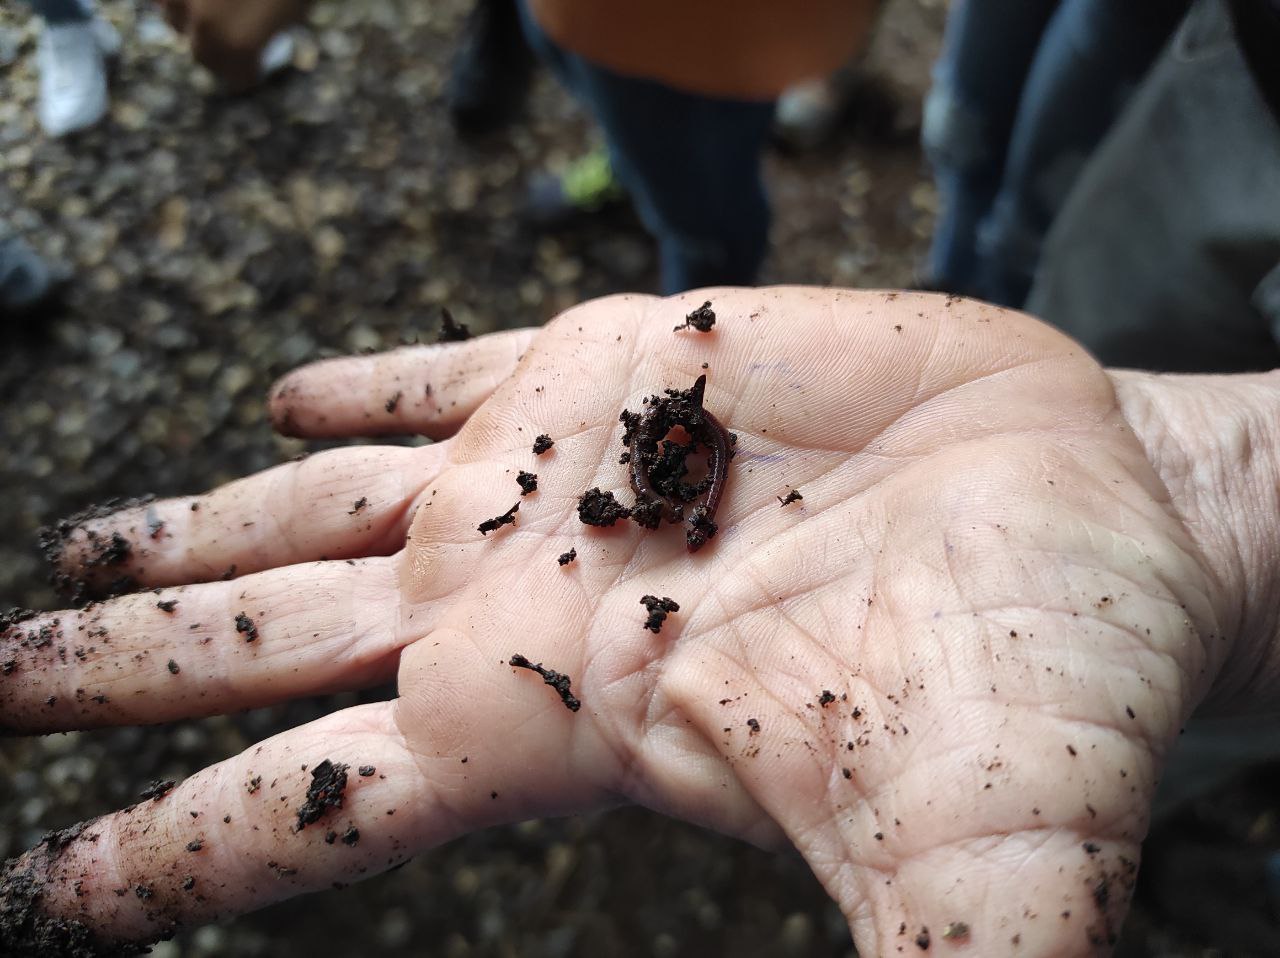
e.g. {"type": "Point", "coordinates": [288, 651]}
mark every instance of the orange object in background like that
{"type": "Point", "coordinates": [735, 49]}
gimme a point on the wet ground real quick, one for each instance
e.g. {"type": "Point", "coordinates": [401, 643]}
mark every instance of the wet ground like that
{"type": "Point", "coordinates": [217, 242]}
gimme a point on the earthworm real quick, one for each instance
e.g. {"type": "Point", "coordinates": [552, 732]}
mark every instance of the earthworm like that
{"type": "Point", "coordinates": [703, 427]}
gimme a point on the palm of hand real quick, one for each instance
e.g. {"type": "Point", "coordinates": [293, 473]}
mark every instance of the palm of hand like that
{"type": "Point", "coordinates": [947, 675]}
{"type": "Point", "coordinates": [919, 673]}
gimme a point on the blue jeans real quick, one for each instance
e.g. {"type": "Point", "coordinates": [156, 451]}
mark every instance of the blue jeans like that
{"type": "Point", "coordinates": [691, 164]}
{"type": "Point", "coordinates": [1022, 95]}
{"type": "Point", "coordinates": [54, 12]}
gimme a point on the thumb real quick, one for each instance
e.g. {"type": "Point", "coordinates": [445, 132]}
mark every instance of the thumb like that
{"type": "Point", "coordinates": [1035, 892]}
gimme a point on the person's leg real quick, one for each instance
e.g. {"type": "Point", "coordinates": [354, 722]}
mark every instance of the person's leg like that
{"type": "Point", "coordinates": [1091, 58]}
{"type": "Point", "coordinates": [968, 116]}
{"type": "Point", "coordinates": [1165, 254]}
{"type": "Point", "coordinates": [489, 78]}
{"type": "Point", "coordinates": [691, 164]}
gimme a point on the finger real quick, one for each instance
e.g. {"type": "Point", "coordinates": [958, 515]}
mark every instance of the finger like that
{"type": "Point", "coordinates": [229, 839]}
{"type": "Point", "coordinates": [429, 390]}
{"type": "Point", "coordinates": [339, 504]}
{"type": "Point", "coordinates": [204, 650]}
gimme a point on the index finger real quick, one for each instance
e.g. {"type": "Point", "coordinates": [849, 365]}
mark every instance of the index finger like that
{"type": "Point", "coordinates": [428, 390]}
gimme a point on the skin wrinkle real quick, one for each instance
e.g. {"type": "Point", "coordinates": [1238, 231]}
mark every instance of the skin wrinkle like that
{"type": "Point", "coordinates": [768, 597]}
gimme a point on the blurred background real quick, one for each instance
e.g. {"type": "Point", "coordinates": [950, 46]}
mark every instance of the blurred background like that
{"type": "Point", "coordinates": [218, 241]}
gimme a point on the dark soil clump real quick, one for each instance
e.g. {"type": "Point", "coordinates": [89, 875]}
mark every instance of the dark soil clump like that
{"type": "Point", "coordinates": [497, 522]}
{"type": "Point", "coordinates": [659, 609]}
{"type": "Point", "coordinates": [451, 331]}
{"type": "Point", "coordinates": [792, 496]}
{"type": "Point", "coordinates": [27, 932]}
{"type": "Point", "coordinates": [557, 680]}
{"type": "Point", "coordinates": [157, 790]}
{"type": "Point", "coordinates": [245, 626]}
{"type": "Point", "coordinates": [542, 444]}
{"type": "Point", "coordinates": [528, 482]}
{"type": "Point", "coordinates": [328, 783]}
{"type": "Point", "coordinates": [566, 557]}
{"type": "Point", "coordinates": [701, 319]}
{"type": "Point", "coordinates": [597, 508]}
{"type": "Point", "coordinates": [14, 616]}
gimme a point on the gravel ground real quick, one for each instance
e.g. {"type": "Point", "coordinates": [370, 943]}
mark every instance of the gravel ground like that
{"type": "Point", "coordinates": [217, 242]}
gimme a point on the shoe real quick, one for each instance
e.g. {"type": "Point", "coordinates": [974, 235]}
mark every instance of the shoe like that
{"type": "Point", "coordinates": [489, 81]}
{"type": "Point", "coordinates": [277, 55]}
{"type": "Point", "coordinates": [72, 60]}
{"type": "Point", "coordinates": [807, 114]}
{"type": "Point", "coordinates": [108, 37]}
{"type": "Point", "coordinates": [587, 186]}
{"type": "Point", "coordinates": [27, 282]}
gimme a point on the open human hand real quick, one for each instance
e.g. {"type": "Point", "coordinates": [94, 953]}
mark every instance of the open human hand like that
{"type": "Point", "coordinates": [948, 675]}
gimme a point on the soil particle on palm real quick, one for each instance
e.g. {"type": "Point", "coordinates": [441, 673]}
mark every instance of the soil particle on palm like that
{"type": "Point", "coordinates": [792, 496]}
{"type": "Point", "coordinates": [497, 522]}
{"type": "Point", "coordinates": [351, 836]}
{"type": "Point", "coordinates": [451, 331]}
{"type": "Point", "coordinates": [245, 626]}
{"type": "Point", "coordinates": [328, 783]}
{"type": "Point", "coordinates": [923, 940]}
{"type": "Point", "coordinates": [528, 482]}
{"type": "Point", "coordinates": [195, 844]}
{"type": "Point", "coordinates": [167, 605]}
{"type": "Point", "coordinates": [598, 508]}
{"type": "Point", "coordinates": [391, 404]}
{"type": "Point", "coordinates": [358, 505]}
{"type": "Point", "coordinates": [557, 680]}
{"type": "Point", "coordinates": [157, 790]}
{"type": "Point", "coordinates": [173, 667]}
{"type": "Point", "coordinates": [701, 319]}
{"type": "Point", "coordinates": [754, 726]}
{"type": "Point", "coordinates": [659, 609]}
{"type": "Point", "coordinates": [566, 557]}
{"type": "Point", "coordinates": [955, 931]}
{"type": "Point", "coordinates": [542, 443]}
{"type": "Point", "coordinates": [366, 771]}
{"type": "Point", "coordinates": [826, 698]}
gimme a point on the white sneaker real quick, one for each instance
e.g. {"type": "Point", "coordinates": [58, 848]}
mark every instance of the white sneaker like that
{"type": "Point", "coordinates": [108, 37]}
{"type": "Point", "coordinates": [277, 54]}
{"type": "Point", "coordinates": [73, 74]}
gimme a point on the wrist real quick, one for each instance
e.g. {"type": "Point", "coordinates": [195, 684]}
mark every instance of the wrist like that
{"type": "Point", "coordinates": [1214, 442]}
